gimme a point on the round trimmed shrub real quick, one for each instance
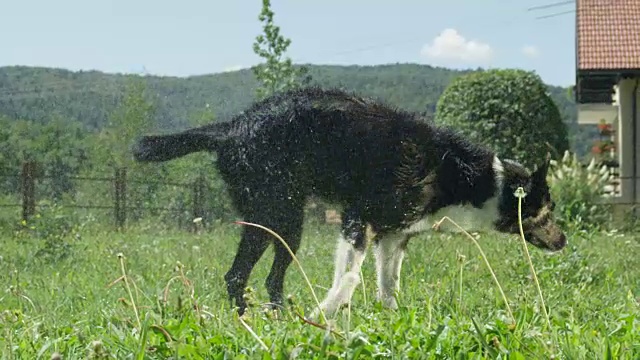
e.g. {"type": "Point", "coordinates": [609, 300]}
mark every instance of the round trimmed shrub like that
{"type": "Point", "coordinates": [508, 110]}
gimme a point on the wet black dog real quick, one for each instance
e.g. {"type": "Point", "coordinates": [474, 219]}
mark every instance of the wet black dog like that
{"type": "Point", "coordinates": [385, 167]}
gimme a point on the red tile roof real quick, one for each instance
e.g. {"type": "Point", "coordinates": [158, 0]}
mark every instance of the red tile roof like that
{"type": "Point", "coordinates": [608, 33]}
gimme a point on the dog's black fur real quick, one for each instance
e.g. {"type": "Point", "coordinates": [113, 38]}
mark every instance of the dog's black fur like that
{"type": "Point", "coordinates": [384, 166]}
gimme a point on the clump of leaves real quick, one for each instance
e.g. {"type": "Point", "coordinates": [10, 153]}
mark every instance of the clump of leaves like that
{"type": "Point", "coordinates": [578, 191]}
{"type": "Point", "coordinates": [55, 229]}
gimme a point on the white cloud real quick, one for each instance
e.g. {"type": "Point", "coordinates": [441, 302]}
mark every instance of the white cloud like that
{"type": "Point", "coordinates": [530, 51]}
{"type": "Point", "coordinates": [449, 45]}
{"type": "Point", "coordinates": [233, 68]}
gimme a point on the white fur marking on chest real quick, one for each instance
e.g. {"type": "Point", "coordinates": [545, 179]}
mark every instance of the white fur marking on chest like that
{"type": "Point", "coordinates": [468, 217]}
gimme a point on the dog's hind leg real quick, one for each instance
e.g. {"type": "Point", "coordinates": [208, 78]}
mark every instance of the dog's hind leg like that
{"type": "Point", "coordinates": [290, 229]}
{"type": "Point", "coordinates": [350, 255]}
{"type": "Point", "coordinates": [389, 253]}
{"type": "Point", "coordinates": [253, 244]}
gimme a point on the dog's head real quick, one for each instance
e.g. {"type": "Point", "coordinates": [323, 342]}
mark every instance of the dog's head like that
{"type": "Point", "coordinates": [538, 222]}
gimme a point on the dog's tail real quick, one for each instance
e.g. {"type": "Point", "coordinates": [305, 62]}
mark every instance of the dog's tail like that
{"type": "Point", "coordinates": [157, 148]}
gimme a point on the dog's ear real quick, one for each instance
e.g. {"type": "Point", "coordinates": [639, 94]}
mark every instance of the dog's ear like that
{"type": "Point", "coordinates": [539, 176]}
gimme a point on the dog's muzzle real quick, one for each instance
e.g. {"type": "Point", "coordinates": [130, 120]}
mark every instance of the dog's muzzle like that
{"type": "Point", "coordinates": [548, 237]}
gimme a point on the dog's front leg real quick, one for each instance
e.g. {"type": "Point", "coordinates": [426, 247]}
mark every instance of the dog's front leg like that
{"type": "Point", "coordinates": [350, 254]}
{"type": "Point", "coordinates": [389, 253]}
{"type": "Point", "coordinates": [345, 279]}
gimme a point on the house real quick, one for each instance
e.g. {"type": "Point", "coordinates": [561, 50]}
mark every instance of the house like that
{"type": "Point", "coordinates": [608, 82]}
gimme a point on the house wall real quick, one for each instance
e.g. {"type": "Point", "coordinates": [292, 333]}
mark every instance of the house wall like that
{"type": "Point", "coordinates": [636, 146]}
{"type": "Point", "coordinates": [626, 145]}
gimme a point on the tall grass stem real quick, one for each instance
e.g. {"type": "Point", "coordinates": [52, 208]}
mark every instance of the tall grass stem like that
{"type": "Point", "coordinates": [486, 261]}
{"type": "Point", "coordinates": [520, 194]}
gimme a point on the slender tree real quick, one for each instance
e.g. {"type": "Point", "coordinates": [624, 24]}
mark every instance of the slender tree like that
{"type": "Point", "coordinates": [277, 72]}
{"type": "Point", "coordinates": [132, 117]}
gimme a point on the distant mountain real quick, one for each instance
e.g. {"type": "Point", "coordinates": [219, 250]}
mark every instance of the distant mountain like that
{"type": "Point", "coordinates": [40, 94]}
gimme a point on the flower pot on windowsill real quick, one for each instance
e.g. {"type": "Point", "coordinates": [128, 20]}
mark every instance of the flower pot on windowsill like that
{"type": "Point", "coordinates": [605, 129]}
{"type": "Point", "coordinates": [606, 132]}
{"type": "Point", "coordinates": [603, 147]}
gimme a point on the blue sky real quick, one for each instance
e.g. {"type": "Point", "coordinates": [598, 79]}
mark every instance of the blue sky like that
{"type": "Point", "coordinates": [190, 37]}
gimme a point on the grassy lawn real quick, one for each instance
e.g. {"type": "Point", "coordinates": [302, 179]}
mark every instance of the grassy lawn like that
{"type": "Point", "coordinates": [64, 300]}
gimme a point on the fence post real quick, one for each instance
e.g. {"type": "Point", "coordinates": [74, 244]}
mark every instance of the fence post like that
{"type": "Point", "coordinates": [120, 204]}
{"type": "Point", "coordinates": [28, 189]}
{"type": "Point", "coordinates": [198, 193]}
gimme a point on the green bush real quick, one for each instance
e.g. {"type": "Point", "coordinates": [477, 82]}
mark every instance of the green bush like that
{"type": "Point", "coordinates": [508, 110]}
{"type": "Point", "coordinates": [578, 192]}
{"type": "Point", "coordinates": [56, 228]}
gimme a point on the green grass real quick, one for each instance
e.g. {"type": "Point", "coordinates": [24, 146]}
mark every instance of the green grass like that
{"type": "Point", "coordinates": [60, 301]}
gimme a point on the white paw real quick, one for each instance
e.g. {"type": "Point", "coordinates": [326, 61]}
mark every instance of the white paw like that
{"type": "Point", "coordinates": [338, 297]}
{"type": "Point", "coordinates": [327, 306]}
{"type": "Point", "coordinates": [388, 301]}
{"type": "Point", "coordinates": [315, 314]}
{"type": "Point", "coordinates": [348, 283]}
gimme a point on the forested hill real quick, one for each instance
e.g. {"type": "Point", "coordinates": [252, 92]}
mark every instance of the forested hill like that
{"type": "Point", "coordinates": [39, 94]}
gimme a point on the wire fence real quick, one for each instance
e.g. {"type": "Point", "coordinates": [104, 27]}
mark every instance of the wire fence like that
{"type": "Point", "coordinates": [120, 198]}
{"type": "Point", "coordinates": [113, 195]}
